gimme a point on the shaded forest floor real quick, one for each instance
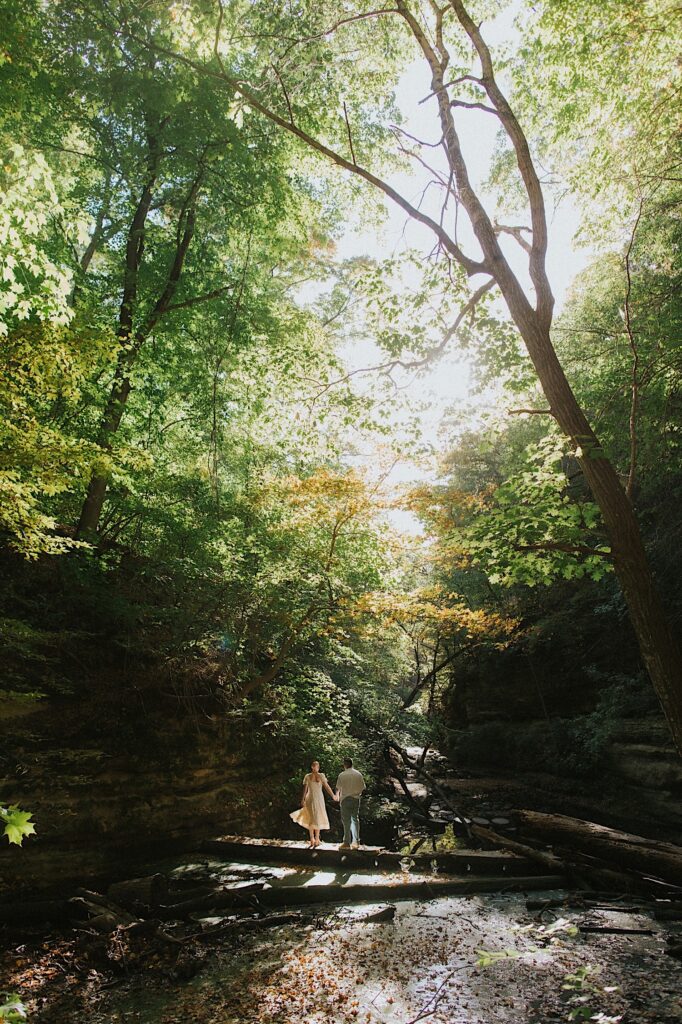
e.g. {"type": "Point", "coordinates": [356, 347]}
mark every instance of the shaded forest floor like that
{"type": "Point", "coordinates": [474, 960]}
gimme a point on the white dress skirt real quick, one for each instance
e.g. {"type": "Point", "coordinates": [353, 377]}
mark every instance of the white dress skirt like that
{"type": "Point", "coordinates": [313, 814]}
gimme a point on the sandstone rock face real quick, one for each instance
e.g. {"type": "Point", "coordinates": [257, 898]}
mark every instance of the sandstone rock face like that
{"type": "Point", "coordinates": [100, 812]}
{"type": "Point", "coordinates": [610, 748]}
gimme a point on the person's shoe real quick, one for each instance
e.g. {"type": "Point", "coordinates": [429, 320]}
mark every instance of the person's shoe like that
{"type": "Point", "coordinates": [355, 846]}
{"type": "Point", "coordinates": [344, 846]}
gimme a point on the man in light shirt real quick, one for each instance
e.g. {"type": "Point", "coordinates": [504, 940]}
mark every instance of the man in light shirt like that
{"type": "Point", "coordinates": [350, 786]}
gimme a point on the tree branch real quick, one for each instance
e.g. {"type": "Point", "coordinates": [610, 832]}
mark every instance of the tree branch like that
{"type": "Point", "coordinates": [350, 136]}
{"type": "Point", "coordinates": [470, 265]}
{"type": "Point", "coordinates": [516, 233]}
{"type": "Point", "coordinates": [206, 297]}
{"type": "Point", "coordinates": [634, 378]}
{"type": "Point", "coordinates": [530, 412]}
{"type": "Point", "coordinates": [571, 549]}
{"type": "Point", "coordinates": [470, 105]}
{"type": "Point", "coordinates": [538, 274]}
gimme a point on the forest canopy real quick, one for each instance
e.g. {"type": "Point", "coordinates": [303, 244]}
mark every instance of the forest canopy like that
{"type": "Point", "coordinates": [341, 348]}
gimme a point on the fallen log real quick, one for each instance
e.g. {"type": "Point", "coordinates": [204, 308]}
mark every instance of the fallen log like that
{"type": "Point", "coordinates": [581, 869]}
{"type": "Point", "coordinates": [548, 860]}
{"type": "Point", "coordinates": [594, 929]}
{"type": "Point", "coordinates": [149, 891]}
{"type": "Point", "coordinates": [103, 915]}
{"type": "Point", "coordinates": [250, 924]}
{"type": "Point", "coordinates": [243, 895]}
{"type": "Point", "coordinates": [379, 917]}
{"type": "Point", "coordinates": [297, 895]}
{"type": "Point", "coordinates": [285, 895]}
{"type": "Point", "coordinates": [631, 852]}
{"type": "Point", "coordinates": [461, 862]}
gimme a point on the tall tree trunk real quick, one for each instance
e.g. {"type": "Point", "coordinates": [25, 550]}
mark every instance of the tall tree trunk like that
{"type": "Point", "coordinates": [131, 339]}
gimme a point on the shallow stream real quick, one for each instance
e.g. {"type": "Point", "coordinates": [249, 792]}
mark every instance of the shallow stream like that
{"type": "Point", "coordinates": [472, 960]}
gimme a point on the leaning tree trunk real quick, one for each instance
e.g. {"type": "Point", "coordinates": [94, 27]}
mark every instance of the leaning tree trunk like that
{"type": "Point", "coordinates": [658, 645]}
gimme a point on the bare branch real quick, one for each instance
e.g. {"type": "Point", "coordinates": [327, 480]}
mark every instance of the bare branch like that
{"type": "Point", "coordinates": [206, 297]}
{"type": "Point", "coordinates": [339, 24]}
{"type": "Point", "coordinates": [416, 364]}
{"type": "Point", "coordinates": [286, 94]}
{"type": "Point", "coordinates": [218, 30]}
{"type": "Point", "coordinates": [396, 129]}
{"type": "Point", "coordinates": [571, 549]}
{"type": "Point", "coordinates": [474, 106]}
{"type": "Point", "coordinates": [529, 412]}
{"type": "Point", "coordinates": [634, 376]}
{"type": "Point", "coordinates": [516, 233]}
{"type": "Point", "coordinates": [350, 136]}
{"type": "Point", "coordinates": [538, 273]}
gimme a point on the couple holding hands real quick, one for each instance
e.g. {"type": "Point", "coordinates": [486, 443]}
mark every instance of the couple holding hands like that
{"type": "Point", "coordinates": [313, 814]}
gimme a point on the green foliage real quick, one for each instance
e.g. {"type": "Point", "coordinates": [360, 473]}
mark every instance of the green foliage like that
{"type": "Point", "coordinates": [32, 283]}
{"type": "Point", "coordinates": [533, 529]}
{"type": "Point", "coordinates": [236, 548]}
{"type": "Point", "coordinates": [489, 957]}
{"type": "Point", "coordinates": [18, 824]}
{"type": "Point", "coordinates": [600, 88]}
{"type": "Point", "coordinates": [582, 994]}
{"type": "Point", "coordinates": [12, 1010]}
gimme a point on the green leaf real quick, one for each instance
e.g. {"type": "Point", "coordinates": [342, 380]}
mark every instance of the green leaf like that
{"type": "Point", "coordinates": [12, 1009]}
{"type": "Point", "coordinates": [18, 824]}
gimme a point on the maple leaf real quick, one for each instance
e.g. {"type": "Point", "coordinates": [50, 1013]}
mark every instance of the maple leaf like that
{"type": "Point", "coordinates": [18, 824]}
{"type": "Point", "coordinates": [11, 1008]}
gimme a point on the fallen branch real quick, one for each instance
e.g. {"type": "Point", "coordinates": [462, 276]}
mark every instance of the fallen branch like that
{"type": "Point", "coordinates": [608, 930]}
{"type": "Point", "coordinates": [419, 769]}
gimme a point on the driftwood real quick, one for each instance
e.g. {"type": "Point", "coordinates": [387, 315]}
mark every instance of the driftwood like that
{"type": "Point", "coordinates": [379, 916]}
{"type": "Point", "coordinates": [589, 901]}
{"type": "Point", "coordinates": [103, 915]}
{"type": "Point", "coordinates": [250, 924]}
{"type": "Point", "coordinates": [629, 852]}
{"type": "Point", "coordinates": [597, 929]}
{"type": "Point", "coordinates": [243, 895]}
{"type": "Point", "coordinates": [150, 891]}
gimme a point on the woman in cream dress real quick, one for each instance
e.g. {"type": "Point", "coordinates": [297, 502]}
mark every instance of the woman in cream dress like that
{"type": "Point", "coordinates": [313, 813]}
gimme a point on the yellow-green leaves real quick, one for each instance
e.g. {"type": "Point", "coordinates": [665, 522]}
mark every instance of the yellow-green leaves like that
{"type": "Point", "coordinates": [18, 824]}
{"type": "Point", "coordinates": [32, 283]}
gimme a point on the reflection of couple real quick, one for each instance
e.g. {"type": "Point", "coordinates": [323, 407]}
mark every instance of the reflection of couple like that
{"type": "Point", "coordinates": [313, 813]}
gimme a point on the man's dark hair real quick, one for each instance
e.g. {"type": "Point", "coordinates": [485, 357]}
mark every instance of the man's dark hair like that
{"type": "Point", "coordinates": [348, 762]}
